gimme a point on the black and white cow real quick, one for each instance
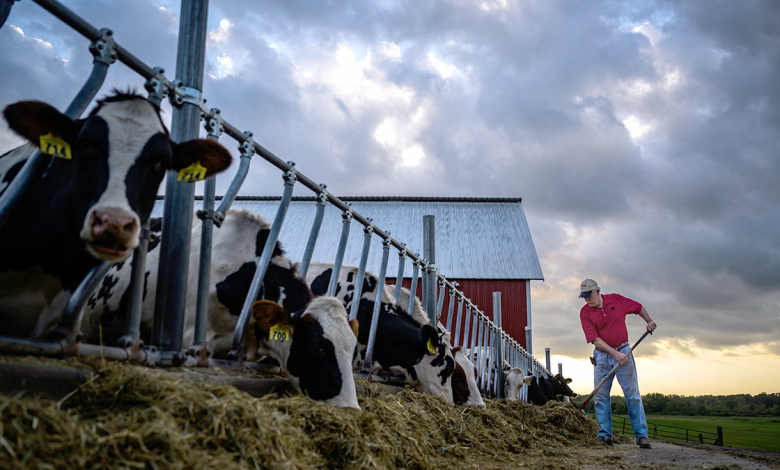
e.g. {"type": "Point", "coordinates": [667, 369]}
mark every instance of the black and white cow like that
{"type": "Point", "coordinates": [465, 390]}
{"type": "Point", "coordinates": [540, 389]}
{"type": "Point", "coordinates": [84, 209]}
{"type": "Point", "coordinates": [402, 344]}
{"type": "Point", "coordinates": [320, 344]}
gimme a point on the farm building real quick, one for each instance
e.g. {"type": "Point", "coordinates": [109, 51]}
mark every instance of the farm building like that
{"type": "Point", "coordinates": [482, 243]}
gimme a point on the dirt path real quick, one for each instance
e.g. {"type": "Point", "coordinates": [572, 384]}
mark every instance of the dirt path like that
{"type": "Point", "coordinates": [664, 455]}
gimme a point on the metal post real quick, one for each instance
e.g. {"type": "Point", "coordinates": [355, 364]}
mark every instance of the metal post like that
{"type": "Point", "coordinates": [415, 277]}
{"type": "Point", "coordinates": [377, 305]}
{"type": "Point", "coordinates": [246, 149]}
{"type": "Point", "coordinates": [457, 340]}
{"type": "Point", "coordinates": [322, 199]}
{"type": "Point", "coordinates": [132, 336]}
{"type": "Point", "coordinates": [425, 269]}
{"type": "Point", "coordinates": [346, 219]}
{"type": "Point", "coordinates": [368, 231]}
{"type": "Point", "coordinates": [429, 253]}
{"type": "Point", "coordinates": [440, 302]}
{"type": "Point", "coordinates": [489, 342]}
{"type": "Point", "coordinates": [500, 348]}
{"type": "Point", "coordinates": [236, 352]}
{"type": "Point", "coordinates": [528, 317]}
{"type": "Point", "coordinates": [473, 317]}
{"type": "Point", "coordinates": [177, 213]}
{"type": "Point", "coordinates": [450, 310]}
{"type": "Point", "coordinates": [481, 349]}
{"type": "Point", "coordinates": [71, 315]}
{"type": "Point", "coordinates": [198, 348]}
{"type": "Point", "coordinates": [560, 369]}
{"type": "Point", "coordinates": [547, 358]}
{"type": "Point", "coordinates": [399, 278]}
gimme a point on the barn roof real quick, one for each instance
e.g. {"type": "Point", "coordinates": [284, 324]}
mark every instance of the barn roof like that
{"type": "Point", "coordinates": [476, 238]}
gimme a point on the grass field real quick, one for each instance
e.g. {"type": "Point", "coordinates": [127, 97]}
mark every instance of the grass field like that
{"type": "Point", "coordinates": [750, 433]}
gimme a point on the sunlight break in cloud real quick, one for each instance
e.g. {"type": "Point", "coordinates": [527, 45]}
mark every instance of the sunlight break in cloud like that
{"type": "Point", "coordinates": [635, 127]}
{"type": "Point", "coordinates": [40, 42]}
{"type": "Point", "coordinates": [443, 69]}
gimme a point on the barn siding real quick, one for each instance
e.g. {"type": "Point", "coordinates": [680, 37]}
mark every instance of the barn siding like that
{"type": "Point", "coordinates": [480, 291]}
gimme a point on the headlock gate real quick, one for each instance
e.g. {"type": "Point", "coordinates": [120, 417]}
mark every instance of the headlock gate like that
{"type": "Point", "coordinates": [492, 347]}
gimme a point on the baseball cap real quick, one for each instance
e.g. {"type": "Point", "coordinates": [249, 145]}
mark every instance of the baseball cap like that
{"type": "Point", "coordinates": [587, 287]}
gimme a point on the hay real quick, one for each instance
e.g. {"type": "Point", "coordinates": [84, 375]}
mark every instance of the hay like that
{"type": "Point", "coordinates": [129, 418]}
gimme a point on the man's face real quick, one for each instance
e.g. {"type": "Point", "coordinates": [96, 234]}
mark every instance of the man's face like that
{"type": "Point", "coordinates": [593, 299]}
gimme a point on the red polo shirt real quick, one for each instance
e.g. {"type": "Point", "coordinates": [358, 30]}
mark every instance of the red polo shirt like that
{"type": "Point", "coordinates": [609, 322]}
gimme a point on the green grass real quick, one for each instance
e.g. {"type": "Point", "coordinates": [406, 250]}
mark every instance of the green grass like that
{"type": "Point", "coordinates": [761, 433]}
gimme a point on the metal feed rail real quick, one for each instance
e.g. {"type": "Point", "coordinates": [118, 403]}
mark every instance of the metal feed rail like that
{"type": "Point", "coordinates": [131, 348]}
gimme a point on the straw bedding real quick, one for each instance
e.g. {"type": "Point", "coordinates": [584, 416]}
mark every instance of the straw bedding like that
{"type": "Point", "coordinates": [129, 417]}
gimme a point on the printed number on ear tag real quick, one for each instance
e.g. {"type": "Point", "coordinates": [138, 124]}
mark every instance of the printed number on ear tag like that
{"type": "Point", "coordinates": [55, 146]}
{"type": "Point", "coordinates": [280, 333]}
{"type": "Point", "coordinates": [431, 349]}
{"type": "Point", "coordinates": [192, 173]}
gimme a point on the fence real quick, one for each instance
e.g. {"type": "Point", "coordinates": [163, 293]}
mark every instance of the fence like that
{"type": "Point", "coordinates": [666, 432]}
{"type": "Point", "coordinates": [492, 344]}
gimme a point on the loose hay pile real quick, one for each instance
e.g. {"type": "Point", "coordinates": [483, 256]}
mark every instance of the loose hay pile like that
{"type": "Point", "coordinates": [130, 418]}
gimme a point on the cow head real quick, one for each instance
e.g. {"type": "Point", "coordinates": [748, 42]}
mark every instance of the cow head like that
{"type": "Point", "coordinates": [118, 156]}
{"type": "Point", "coordinates": [464, 381]}
{"type": "Point", "coordinates": [315, 346]}
{"type": "Point", "coordinates": [560, 387]}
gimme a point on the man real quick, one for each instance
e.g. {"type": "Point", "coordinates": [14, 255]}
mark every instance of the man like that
{"type": "Point", "coordinates": [604, 322]}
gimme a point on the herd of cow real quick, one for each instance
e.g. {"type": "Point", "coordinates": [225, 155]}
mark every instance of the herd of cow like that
{"type": "Point", "coordinates": [89, 208]}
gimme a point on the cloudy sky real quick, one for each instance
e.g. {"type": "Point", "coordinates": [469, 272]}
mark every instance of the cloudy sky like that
{"type": "Point", "coordinates": [643, 137]}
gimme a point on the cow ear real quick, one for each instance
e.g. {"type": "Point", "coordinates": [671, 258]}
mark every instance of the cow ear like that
{"type": "Point", "coordinates": [355, 325]}
{"type": "Point", "coordinates": [207, 153]}
{"type": "Point", "coordinates": [430, 338]}
{"type": "Point", "coordinates": [33, 119]}
{"type": "Point", "coordinates": [268, 314]}
{"type": "Point", "coordinates": [568, 381]}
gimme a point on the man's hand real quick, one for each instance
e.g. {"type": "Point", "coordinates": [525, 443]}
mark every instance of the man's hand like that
{"type": "Point", "coordinates": [621, 358]}
{"type": "Point", "coordinates": [651, 326]}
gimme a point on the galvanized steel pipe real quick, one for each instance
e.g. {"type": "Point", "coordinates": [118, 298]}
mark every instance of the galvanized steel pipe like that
{"type": "Point", "coordinates": [237, 347]}
{"type": "Point", "coordinates": [322, 199]}
{"type": "Point", "coordinates": [368, 232]}
{"type": "Point", "coordinates": [377, 307]}
{"type": "Point", "coordinates": [346, 218]}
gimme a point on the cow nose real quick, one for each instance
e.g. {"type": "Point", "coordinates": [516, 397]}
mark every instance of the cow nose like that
{"type": "Point", "coordinates": [120, 225]}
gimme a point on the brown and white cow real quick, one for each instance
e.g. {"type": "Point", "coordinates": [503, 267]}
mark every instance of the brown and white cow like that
{"type": "Point", "coordinates": [89, 204]}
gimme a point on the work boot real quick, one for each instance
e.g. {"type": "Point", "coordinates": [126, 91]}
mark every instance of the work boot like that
{"type": "Point", "coordinates": [604, 440]}
{"type": "Point", "coordinates": [643, 443]}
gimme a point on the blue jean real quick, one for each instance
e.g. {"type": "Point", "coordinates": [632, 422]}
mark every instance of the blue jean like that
{"type": "Point", "coordinates": [626, 375]}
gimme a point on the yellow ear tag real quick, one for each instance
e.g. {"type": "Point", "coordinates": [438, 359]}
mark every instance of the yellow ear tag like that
{"type": "Point", "coordinates": [192, 173]}
{"type": "Point", "coordinates": [279, 333]}
{"type": "Point", "coordinates": [55, 146]}
{"type": "Point", "coordinates": [431, 349]}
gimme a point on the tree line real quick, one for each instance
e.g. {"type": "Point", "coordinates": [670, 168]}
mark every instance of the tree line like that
{"type": "Point", "coordinates": [763, 404]}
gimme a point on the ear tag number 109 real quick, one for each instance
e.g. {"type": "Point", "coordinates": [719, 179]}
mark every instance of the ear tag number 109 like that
{"type": "Point", "coordinates": [53, 145]}
{"type": "Point", "coordinates": [280, 333]}
{"type": "Point", "coordinates": [192, 173]}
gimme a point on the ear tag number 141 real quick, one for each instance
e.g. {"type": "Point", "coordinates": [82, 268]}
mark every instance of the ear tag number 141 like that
{"type": "Point", "coordinates": [279, 333]}
{"type": "Point", "coordinates": [53, 145]}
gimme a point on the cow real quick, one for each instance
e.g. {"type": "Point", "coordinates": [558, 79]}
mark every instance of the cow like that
{"type": "Point", "coordinates": [89, 204]}
{"type": "Point", "coordinates": [402, 344]}
{"type": "Point", "coordinates": [540, 389]}
{"type": "Point", "coordinates": [465, 390]}
{"type": "Point", "coordinates": [318, 341]}
{"type": "Point", "coordinates": [514, 381]}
